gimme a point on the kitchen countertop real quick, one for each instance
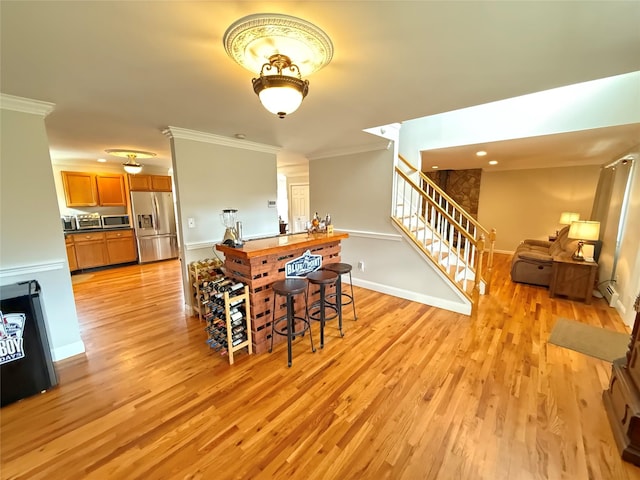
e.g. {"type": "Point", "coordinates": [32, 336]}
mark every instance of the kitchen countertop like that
{"type": "Point", "coordinates": [281, 243]}
{"type": "Point", "coordinates": [96, 230]}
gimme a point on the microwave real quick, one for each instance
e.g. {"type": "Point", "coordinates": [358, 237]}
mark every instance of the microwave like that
{"type": "Point", "coordinates": [88, 221]}
{"type": "Point", "coordinates": [116, 221]}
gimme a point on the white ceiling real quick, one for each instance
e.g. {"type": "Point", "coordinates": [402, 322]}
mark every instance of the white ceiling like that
{"type": "Point", "coordinates": [121, 72]}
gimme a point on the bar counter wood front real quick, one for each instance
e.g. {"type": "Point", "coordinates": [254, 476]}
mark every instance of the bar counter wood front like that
{"type": "Point", "coordinates": [259, 263]}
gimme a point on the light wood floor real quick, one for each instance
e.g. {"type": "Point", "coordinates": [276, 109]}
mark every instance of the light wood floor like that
{"type": "Point", "coordinates": [411, 392]}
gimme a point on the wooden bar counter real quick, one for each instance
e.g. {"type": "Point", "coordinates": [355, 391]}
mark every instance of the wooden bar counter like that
{"type": "Point", "coordinates": [259, 263]}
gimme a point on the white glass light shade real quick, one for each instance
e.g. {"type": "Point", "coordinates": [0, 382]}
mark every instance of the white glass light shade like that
{"type": "Point", "coordinates": [132, 168]}
{"type": "Point", "coordinates": [566, 218]}
{"type": "Point", "coordinates": [584, 230]}
{"type": "Point", "coordinates": [279, 100]}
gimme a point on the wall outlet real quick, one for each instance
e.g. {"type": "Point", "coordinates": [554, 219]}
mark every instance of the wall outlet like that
{"type": "Point", "coordinates": [361, 265]}
{"type": "Point", "coordinates": [271, 204]}
{"type": "Point", "coordinates": [191, 222]}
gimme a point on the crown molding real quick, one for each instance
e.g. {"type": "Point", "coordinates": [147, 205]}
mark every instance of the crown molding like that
{"type": "Point", "coordinates": [183, 133]}
{"type": "Point", "coordinates": [350, 151]}
{"type": "Point", "coordinates": [25, 105]}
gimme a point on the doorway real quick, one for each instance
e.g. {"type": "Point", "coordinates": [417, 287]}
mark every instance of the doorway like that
{"type": "Point", "coordinates": [299, 206]}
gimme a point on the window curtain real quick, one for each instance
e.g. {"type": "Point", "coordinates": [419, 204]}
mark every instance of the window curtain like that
{"type": "Point", "coordinates": [608, 206]}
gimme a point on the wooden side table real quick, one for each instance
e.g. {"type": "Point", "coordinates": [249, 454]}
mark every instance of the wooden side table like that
{"type": "Point", "coordinates": [573, 279]}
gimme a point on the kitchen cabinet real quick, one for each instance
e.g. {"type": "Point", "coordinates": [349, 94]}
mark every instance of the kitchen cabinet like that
{"type": "Point", "coordinates": [99, 249]}
{"type": "Point", "coordinates": [121, 246]}
{"type": "Point", "coordinates": [160, 183]}
{"type": "Point", "coordinates": [111, 190]}
{"type": "Point", "coordinates": [82, 189]}
{"type": "Point", "coordinates": [71, 253]}
{"type": "Point", "coordinates": [150, 183]}
{"type": "Point", "coordinates": [91, 249]}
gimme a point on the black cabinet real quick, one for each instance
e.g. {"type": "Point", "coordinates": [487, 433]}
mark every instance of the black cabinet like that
{"type": "Point", "coordinates": [26, 367]}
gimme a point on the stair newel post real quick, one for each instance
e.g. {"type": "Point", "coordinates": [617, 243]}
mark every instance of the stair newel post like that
{"type": "Point", "coordinates": [475, 296]}
{"type": "Point", "coordinates": [492, 242]}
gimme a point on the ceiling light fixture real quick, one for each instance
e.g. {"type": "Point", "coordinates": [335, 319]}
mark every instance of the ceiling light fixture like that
{"type": "Point", "coordinates": [481, 153]}
{"type": "Point", "coordinates": [131, 165]}
{"type": "Point", "coordinates": [493, 162]}
{"type": "Point", "coordinates": [281, 48]}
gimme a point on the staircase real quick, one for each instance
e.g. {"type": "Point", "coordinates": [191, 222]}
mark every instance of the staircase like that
{"type": "Point", "coordinates": [444, 232]}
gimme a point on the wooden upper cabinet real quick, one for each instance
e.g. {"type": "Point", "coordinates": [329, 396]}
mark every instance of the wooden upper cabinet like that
{"type": "Point", "coordinates": [111, 191]}
{"type": "Point", "coordinates": [140, 183]}
{"type": "Point", "coordinates": [80, 189]}
{"type": "Point", "coordinates": [83, 189]}
{"type": "Point", "coordinates": [150, 183]}
{"type": "Point", "coordinates": [161, 183]}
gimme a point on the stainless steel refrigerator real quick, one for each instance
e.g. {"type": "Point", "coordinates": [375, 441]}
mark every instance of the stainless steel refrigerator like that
{"type": "Point", "coordinates": [155, 225]}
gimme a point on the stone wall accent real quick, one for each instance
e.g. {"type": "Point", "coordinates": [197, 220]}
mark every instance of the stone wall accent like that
{"type": "Point", "coordinates": [463, 186]}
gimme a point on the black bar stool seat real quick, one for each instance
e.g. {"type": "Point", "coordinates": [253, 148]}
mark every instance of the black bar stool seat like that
{"type": "Point", "coordinates": [342, 269]}
{"type": "Point", "coordinates": [289, 288]}
{"type": "Point", "coordinates": [324, 278]}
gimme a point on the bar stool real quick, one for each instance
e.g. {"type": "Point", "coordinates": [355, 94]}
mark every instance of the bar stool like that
{"type": "Point", "coordinates": [341, 269]}
{"type": "Point", "coordinates": [289, 288]}
{"type": "Point", "coordinates": [324, 278]}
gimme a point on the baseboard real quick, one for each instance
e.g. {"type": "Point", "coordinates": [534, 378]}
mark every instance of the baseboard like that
{"type": "Point", "coordinates": [60, 353]}
{"type": "Point", "coordinates": [462, 308]}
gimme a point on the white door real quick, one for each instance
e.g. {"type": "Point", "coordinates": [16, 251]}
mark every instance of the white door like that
{"type": "Point", "coordinates": [299, 207]}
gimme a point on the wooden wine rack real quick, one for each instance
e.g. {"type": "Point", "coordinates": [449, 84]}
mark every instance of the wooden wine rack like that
{"type": "Point", "coordinates": [201, 271]}
{"type": "Point", "coordinates": [227, 334]}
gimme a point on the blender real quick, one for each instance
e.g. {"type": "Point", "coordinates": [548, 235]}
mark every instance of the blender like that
{"type": "Point", "coordinates": [231, 234]}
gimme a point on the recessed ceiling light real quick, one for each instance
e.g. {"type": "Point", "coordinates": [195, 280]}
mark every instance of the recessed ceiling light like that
{"type": "Point", "coordinates": [435, 167]}
{"type": "Point", "coordinates": [493, 162]}
{"type": "Point", "coordinates": [481, 153]}
{"type": "Point", "coordinates": [102, 160]}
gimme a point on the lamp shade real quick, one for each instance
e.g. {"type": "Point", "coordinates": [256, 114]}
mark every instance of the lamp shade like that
{"type": "Point", "coordinates": [132, 168]}
{"type": "Point", "coordinates": [584, 230]}
{"type": "Point", "coordinates": [280, 100]}
{"type": "Point", "coordinates": [566, 218]}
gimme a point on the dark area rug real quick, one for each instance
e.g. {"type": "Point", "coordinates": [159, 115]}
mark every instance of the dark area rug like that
{"type": "Point", "coordinates": [593, 341]}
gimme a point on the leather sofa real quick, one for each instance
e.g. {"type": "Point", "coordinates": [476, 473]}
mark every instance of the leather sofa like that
{"type": "Point", "coordinates": [533, 259]}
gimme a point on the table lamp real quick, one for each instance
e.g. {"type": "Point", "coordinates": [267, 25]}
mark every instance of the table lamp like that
{"type": "Point", "coordinates": [566, 218]}
{"type": "Point", "coordinates": [583, 231]}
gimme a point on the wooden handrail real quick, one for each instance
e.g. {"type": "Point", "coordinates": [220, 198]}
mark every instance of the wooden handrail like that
{"type": "Point", "coordinates": [447, 197]}
{"type": "Point", "coordinates": [442, 211]}
{"type": "Point", "coordinates": [461, 236]}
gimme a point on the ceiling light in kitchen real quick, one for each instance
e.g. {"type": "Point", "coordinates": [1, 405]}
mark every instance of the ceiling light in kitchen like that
{"type": "Point", "coordinates": [131, 165]}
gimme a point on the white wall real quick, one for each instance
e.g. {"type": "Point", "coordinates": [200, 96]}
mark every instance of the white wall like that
{"type": "Point", "coordinates": [523, 204]}
{"type": "Point", "coordinates": [356, 190]}
{"type": "Point", "coordinates": [32, 242]}
{"type": "Point", "coordinates": [213, 173]}
{"type": "Point", "coordinates": [599, 103]}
